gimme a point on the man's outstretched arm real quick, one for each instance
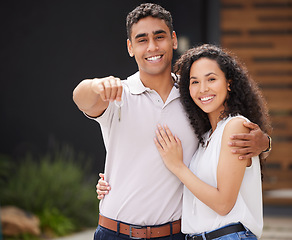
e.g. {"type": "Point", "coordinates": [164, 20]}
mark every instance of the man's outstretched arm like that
{"type": "Point", "coordinates": [92, 96]}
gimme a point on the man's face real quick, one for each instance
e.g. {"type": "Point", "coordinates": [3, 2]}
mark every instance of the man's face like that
{"type": "Point", "coordinates": [152, 45]}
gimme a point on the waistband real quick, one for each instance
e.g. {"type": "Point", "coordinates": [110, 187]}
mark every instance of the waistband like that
{"type": "Point", "coordinates": [219, 232]}
{"type": "Point", "coordinates": [140, 232]}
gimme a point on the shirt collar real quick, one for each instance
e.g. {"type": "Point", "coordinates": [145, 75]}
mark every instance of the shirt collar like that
{"type": "Point", "coordinates": [136, 86]}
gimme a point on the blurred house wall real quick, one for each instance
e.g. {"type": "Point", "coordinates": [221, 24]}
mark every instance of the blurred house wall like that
{"type": "Point", "coordinates": [260, 33]}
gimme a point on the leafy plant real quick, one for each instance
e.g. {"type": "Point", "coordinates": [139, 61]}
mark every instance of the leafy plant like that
{"type": "Point", "coordinates": [56, 186]}
{"type": "Point", "coordinates": [5, 168]}
{"type": "Point", "coordinates": [54, 220]}
{"type": "Point", "coordinates": [23, 237]}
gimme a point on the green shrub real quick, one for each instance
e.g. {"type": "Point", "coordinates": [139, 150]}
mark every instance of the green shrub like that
{"type": "Point", "coordinates": [5, 168]}
{"type": "Point", "coordinates": [53, 220]}
{"type": "Point", "coordinates": [23, 237]}
{"type": "Point", "coordinates": [57, 187]}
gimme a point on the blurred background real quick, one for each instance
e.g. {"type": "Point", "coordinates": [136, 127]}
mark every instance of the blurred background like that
{"type": "Point", "coordinates": [50, 154]}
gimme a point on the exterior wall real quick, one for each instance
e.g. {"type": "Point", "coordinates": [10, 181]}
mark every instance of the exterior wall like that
{"type": "Point", "coordinates": [259, 32]}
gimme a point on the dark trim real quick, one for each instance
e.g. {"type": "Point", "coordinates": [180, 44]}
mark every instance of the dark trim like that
{"type": "Point", "coordinates": [282, 139]}
{"type": "Point", "coordinates": [275, 18]}
{"type": "Point", "coordinates": [272, 59]}
{"type": "Point", "coordinates": [273, 73]}
{"type": "Point", "coordinates": [273, 5]}
{"type": "Point", "coordinates": [230, 33]}
{"type": "Point", "coordinates": [228, 6]}
{"type": "Point", "coordinates": [251, 45]}
{"type": "Point", "coordinates": [256, 32]}
{"type": "Point", "coordinates": [276, 86]}
{"type": "Point", "coordinates": [281, 113]}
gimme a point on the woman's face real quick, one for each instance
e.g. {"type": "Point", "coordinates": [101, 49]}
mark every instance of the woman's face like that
{"type": "Point", "coordinates": [208, 86]}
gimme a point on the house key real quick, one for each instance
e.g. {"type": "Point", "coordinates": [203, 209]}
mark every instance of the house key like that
{"type": "Point", "coordinates": [119, 104]}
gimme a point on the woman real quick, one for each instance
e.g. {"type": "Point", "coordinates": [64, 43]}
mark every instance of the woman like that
{"type": "Point", "coordinates": [222, 194]}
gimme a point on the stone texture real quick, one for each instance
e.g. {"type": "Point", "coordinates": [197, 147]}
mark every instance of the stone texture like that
{"type": "Point", "coordinates": [16, 221]}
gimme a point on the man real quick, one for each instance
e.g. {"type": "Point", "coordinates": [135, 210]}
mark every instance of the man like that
{"type": "Point", "coordinates": [145, 200]}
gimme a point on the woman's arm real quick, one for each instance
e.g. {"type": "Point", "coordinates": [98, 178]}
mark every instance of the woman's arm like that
{"type": "Point", "coordinates": [230, 170]}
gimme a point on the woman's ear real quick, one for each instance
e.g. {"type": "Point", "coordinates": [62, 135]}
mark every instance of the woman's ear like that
{"type": "Point", "coordinates": [228, 85]}
{"type": "Point", "coordinates": [129, 46]}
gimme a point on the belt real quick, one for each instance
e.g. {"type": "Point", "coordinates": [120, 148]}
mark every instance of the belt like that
{"type": "Point", "coordinates": [220, 232]}
{"type": "Point", "coordinates": [140, 232]}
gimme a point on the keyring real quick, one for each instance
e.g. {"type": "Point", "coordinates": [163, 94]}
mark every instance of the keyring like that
{"type": "Point", "coordinates": [119, 103]}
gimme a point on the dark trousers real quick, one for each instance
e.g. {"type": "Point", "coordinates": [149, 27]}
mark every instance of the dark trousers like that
{"type": "Point", "coordinates": [102, 233]}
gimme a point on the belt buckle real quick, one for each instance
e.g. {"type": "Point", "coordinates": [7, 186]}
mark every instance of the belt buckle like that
{"type": "Point", "coordinates": [194, 237]}
{"type": "Point", "coordinates": [131, 232]}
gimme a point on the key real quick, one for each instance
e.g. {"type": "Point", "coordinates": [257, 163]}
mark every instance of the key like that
{"type": "Point", "coordinates": [119, 105]}
{"type": "Point", "coordinates": [119, 113]}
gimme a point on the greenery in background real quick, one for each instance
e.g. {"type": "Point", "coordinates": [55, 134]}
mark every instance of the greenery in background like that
{"type": "Point", "coordinates": [5, 168]}
{"type": "Point", "coordinates": [58, 187]}
{"type": "Point", "coordinates": [23, 237]}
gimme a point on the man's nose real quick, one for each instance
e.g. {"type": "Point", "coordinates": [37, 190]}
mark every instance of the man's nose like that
{"type": "Point", "coordinates": [152, 46]}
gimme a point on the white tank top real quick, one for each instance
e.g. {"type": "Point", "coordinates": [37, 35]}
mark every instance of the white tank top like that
{"type": "Point", "coordinates": [198, 217]}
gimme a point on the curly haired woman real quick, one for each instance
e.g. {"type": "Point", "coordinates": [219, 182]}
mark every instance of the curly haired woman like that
{"type": "Point", "coordinates": [222, 194]}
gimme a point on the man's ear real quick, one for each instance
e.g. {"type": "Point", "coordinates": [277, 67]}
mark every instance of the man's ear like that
{"type": "Point", "coordinates": [174, 38]}
{"type": "Point", "coordinates": [129, 45]}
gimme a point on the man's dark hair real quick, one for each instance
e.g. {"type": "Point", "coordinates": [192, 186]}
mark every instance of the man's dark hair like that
{"type": "Point", "coordinates": [145, 10]}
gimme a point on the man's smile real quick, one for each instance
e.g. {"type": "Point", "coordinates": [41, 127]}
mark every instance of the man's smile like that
{"type": "Point", "coordinates": [154, 58]}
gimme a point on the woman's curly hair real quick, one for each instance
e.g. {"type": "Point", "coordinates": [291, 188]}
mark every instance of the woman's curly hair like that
{"type": "Point", "coordinates": [243, 98]}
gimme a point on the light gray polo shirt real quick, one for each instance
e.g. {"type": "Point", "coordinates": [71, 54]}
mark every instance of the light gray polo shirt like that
{"type": "Point", "coordinates": [143, 190]}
